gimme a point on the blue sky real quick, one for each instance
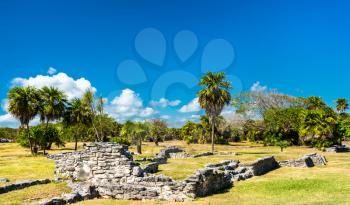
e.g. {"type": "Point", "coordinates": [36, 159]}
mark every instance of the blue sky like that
{"type": "Point", "coordinates": [300, 48]}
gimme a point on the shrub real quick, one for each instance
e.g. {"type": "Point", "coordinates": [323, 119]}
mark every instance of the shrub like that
{"type": "Point", "coordinates": [282, 144]}
{"type": "Point", "coordinates": [121, 140]}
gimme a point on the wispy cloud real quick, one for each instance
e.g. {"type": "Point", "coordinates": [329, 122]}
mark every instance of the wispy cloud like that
{"type": "Point", "coordinates": [192, 106]}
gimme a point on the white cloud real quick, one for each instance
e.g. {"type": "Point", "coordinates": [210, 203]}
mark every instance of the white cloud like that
{"type": "Point", "coordinates": [7, 120]}
{"type": "Point", "coordinates": [192, 106]}
{"type": "Point", "coordinates": [165, 117]}
{"type": "Point", "coordinates": [163, 102]}
{"type": "Point", "coordinates": [73, 88]}
{"type": "Point", "coordinates": [128, 105]}
{"type": "Point", "coordinates": [257, 87]}
{"type": "Point", "coordinates": [4, 105]}
{"type": "Point", "coordinates": [195, 116]}
{"type": "Point", "coordinates": [70, 86]}
{"type": "Point", "coordinates": [51, 71]}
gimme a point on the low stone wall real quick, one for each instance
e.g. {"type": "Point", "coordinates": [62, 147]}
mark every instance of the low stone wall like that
{"type": "Point", "coordinates": [338, 148]}
{"type": "Point", "coordinates": [302, 162]}
{"type": "Point", "coordinates": [308, 160]}
{"type": "Point", "coordinates": [204, 154]}
{"type": "Point", "coordinates": [22, 185]}
{"type": "Point", "coordinates": [207, 181]}
{"type": "Point", "coordinates": [151, 167]}
{"type": "Point", "coordinates": [169, 150]}
{"type": "Point", "coordinates": [5, 141]}
{"type": "Point", "coordinates": [179, 155]}
{"type": "Point", "coordinates": [263, 165]}
{"type": "Point", "coordinates": [317, 159]}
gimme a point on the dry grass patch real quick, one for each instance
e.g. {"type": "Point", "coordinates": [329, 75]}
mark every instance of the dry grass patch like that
{"type": "Point", "coordinates": [33, 194]}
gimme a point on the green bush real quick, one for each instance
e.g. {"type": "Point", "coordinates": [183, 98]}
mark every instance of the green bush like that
{"type": "Point", "coordinates": [282, 144]}
{"type": "Point", "coordinates": [121, 140]}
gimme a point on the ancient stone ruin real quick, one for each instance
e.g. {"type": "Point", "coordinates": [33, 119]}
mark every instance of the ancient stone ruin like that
{"type": "Point", "coordinates": [338, 148]}
{"type": "Point", "coordinates": [308, 160]}
{"type": "Point", "coordinates": [107, 170]}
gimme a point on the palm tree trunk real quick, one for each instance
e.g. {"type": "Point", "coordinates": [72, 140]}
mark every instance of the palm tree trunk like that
{"type": "Point", "coordinates": [76, 144]}
{"type": "Point", "coordinates": [212, 135]}
{"type": "Point", "coordinates": [30, 141]}
{"type": "Point", "coordinates": [139, 146]}
{"type": "Point", "coordinates": [96, 132]}
{"type": "Point", "coordinates": [156, 141]}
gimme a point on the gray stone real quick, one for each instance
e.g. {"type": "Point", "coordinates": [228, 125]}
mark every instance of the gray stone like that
{"type": "Point", "coordinates": [4, 180]}
{"type": "Point", "coordinates": [338, 148]}
{"type": "Point", "coordinates": [22, 184]}
{"type": "Point", "coordinates": [263, 165]}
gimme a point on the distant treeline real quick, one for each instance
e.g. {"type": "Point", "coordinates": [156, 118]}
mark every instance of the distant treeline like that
{"type": "Point", "coordinates": [8, 133]}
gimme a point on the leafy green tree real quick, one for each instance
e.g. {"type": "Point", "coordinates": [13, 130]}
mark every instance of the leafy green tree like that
{"type": "Point", "coordinates": [136, 131]}
{"type": "Point", "coordinates": [282, 144]}
{"type": "Point", "coordinates": [213, 97]}
{"type": "Point", "coordinates": [41, 136]}
{"type": "Point", "coordinates": [189, 131]}
{"type": "Point", "coordinates": [342, 130]}
{"type": "Point", "coordinates": [24, 105]}
{"type": "Point", "coordinates": [8, 133]}
{"type": "Point", "coordinates": [172, 133]}
{"type": "Point", "coordinates": [314, 103]}
{"type": "Point", "coordinates": [318, 129]}
{"type": "Point", "coordinates": [342, 105]}
{"type": "Point", "coordinates": [283, 124]}
{"type": "Point", "coordinates": [253, 130]}
{"type": "Point", "coordinates": [157, 130]}
{"type": "Point", "coordinates": [107, 127]}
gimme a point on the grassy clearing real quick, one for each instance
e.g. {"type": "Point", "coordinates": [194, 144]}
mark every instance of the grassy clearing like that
{"type": "Point", "coordinates": [16, 163]}
{"type": "Point", "coordinates": [319, 185]}
{"type": "Point", "coordinates": [33, 194]}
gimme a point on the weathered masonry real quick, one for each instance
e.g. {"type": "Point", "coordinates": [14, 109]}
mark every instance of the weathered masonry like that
{"type": "Point", "coordinates": [108, 170]}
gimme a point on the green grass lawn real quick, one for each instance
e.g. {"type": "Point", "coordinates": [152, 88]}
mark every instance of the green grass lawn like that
{"type": "Point", "coordinates": [319, 185]}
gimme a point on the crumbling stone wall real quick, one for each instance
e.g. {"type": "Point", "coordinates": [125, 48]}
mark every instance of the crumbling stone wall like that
{"type": "Point", "coordinates": [108, 170]}
{"type": "Point", "coordinates": [263, 165]}
{"type": "Point", "coordinates": [308, 160]}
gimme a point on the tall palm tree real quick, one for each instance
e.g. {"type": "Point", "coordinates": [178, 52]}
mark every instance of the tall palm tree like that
{"type": "Point", "coordinates": [213, 97]}
{"type": "Point", "coordinates": [315, 103]}
{"type": "Point", "coordinates": [88, 103]}
{"type": "Point", "coordinates": [53, 104]}
{"type": "Point", "coordinates": [342, 105]}
{"type": "Point", "coordinates": [100, 114]}
{"type": "Point", "coordinates": [23, 105]}
{"type": "Point", "coordinates": [75, 116]}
